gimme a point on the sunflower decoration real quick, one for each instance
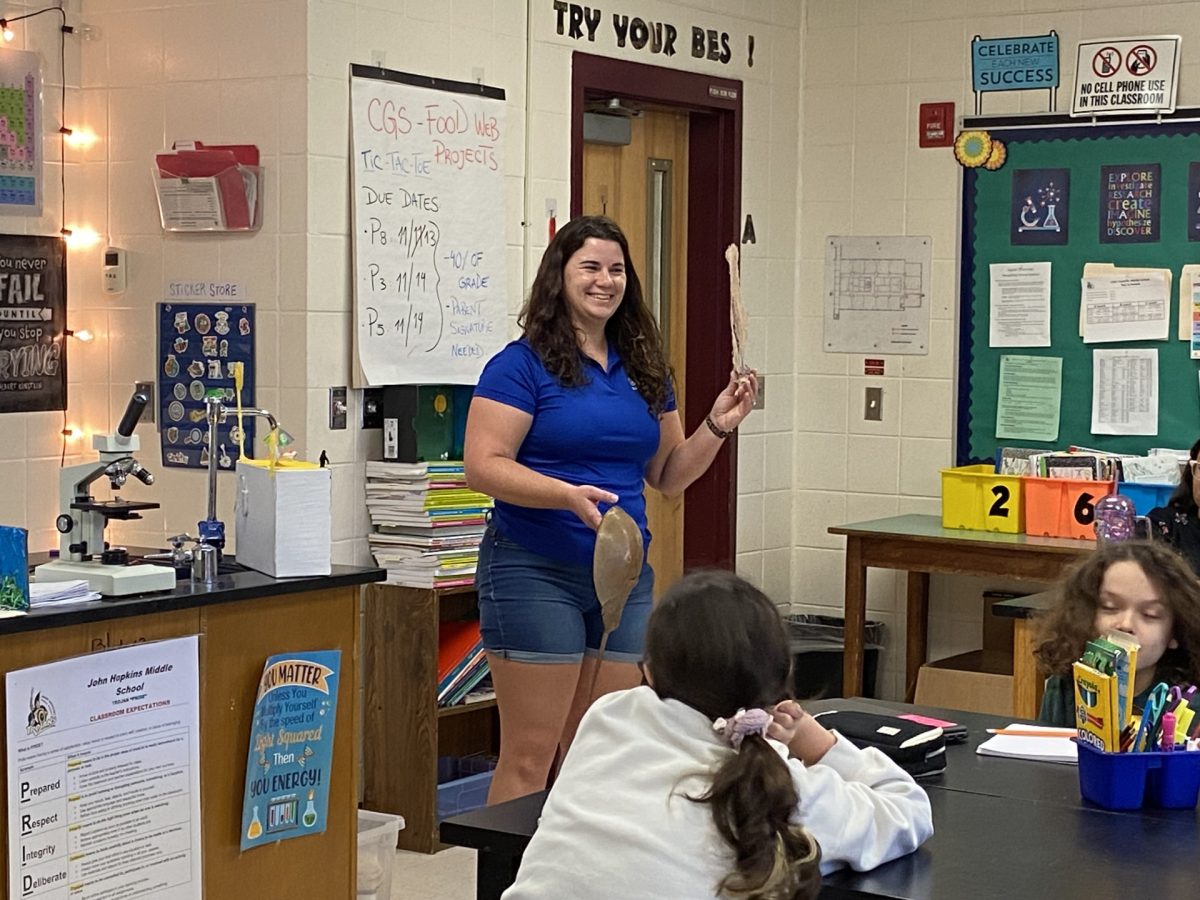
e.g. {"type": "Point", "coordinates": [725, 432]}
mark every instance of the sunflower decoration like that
{"type": "Point", "coordinates": [972, 148]}
{"type": "Point", "coordinates": [997, 157]}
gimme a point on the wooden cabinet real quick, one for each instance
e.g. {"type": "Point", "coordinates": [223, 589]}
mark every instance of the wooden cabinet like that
{"type": "Point", "coordinates": [404, 730]}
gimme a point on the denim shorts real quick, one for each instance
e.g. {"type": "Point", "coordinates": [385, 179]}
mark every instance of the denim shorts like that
{"type": "Point", "coordinates": [539, 610]}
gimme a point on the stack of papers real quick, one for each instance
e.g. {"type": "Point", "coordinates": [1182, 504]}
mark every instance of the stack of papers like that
{"type": "Point", "coordinates": [1058, 746]}
{"type": "Point", "coordinates": [53, 593]}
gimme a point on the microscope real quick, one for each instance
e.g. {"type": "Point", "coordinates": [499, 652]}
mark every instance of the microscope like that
{"type": "Point", "coordinates": [82, 519]}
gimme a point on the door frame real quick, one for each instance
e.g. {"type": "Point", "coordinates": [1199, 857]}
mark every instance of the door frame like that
{"type": "Point", "coordinates": [714, 217]}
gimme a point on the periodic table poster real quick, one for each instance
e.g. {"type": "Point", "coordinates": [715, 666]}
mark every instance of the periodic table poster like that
{"type": "Point", "coordinates": [196, 344]}
{"type": "Point", "coordinates": [21, 130]}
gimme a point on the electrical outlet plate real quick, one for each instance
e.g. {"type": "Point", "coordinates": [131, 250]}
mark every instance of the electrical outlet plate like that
{"type": "Point", "coordinates": [147, 388]}
{"type": "Point", "coordinates": [337, 408]}
{"type": "Point", "coordinates": [372, 408]}
{"type": "Point", "coordinates": [761, 400]}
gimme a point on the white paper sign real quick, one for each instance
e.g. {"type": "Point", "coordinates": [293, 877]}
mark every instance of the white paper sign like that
{"type": "Point", "coordinates": [104, 775]}
{"type": "Point", "coordinates": [1125, 391]}
{"type": "Point", "coordinates": [1126, 75]}
{"type": "Point", "coordinates": [428, 202]}
{"type": "Point", "coordinates": [1019, 311]}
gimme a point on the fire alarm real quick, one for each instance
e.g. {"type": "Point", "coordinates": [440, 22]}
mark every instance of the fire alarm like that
{"type": "Point", "coordinates": [936, 125]}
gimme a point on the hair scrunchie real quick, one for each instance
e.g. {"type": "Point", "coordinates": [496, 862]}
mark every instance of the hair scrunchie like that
{"type": "Point", "coordinates": [742, 724]}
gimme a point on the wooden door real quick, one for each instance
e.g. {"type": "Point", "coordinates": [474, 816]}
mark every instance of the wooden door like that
{"type": "Point", "coordinates": [643, 186]}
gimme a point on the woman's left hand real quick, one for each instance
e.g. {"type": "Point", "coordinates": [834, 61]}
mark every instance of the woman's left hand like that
{"type": "Point", "coordinates": [735, 402]}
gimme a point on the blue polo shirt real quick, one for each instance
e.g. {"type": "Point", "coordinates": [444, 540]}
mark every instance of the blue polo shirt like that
{"type": "Point", "coordinates": [600, 433]}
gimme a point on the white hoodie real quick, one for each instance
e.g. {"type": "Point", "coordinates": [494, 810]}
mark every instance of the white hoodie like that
{"type": "Point", "coordinates": [618, 824]}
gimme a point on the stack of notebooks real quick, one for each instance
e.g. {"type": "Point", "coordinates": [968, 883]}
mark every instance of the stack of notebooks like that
{"type": "Point", "coordinates": [428, 523]}
{"type": "Point", "coordinates": [462, 664]}
{"type": "Point", "coordinates": [1159, 467]}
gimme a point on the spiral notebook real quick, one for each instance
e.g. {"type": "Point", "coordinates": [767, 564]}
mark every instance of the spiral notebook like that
{"type": "Point", "coordinates": [1052, 748]}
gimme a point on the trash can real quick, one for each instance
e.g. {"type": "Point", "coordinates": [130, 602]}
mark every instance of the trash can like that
{"type": "Point", "coordinates": [818, 645]}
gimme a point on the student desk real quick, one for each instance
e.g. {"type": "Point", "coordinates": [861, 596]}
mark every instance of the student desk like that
{"type": "Point", "coordinates": [918, 544]}
{"type": "Point", "coordinates": [1002, 828]}
{"type": "Point", "coordinates": [1028, 683]}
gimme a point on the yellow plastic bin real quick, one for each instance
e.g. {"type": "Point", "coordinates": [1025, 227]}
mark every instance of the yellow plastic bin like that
{"type": "Point", "coordinates": [1063, 507]}
{"type": "Point", "coordinates": [975, 497]}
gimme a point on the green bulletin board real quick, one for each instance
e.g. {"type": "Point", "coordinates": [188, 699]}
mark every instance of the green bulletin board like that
{"type": "Point", "coordinates": [987, 212]}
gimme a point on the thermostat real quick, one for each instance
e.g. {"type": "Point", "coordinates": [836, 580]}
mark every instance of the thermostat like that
{"type": "Point", "coordinates": [114, 270]}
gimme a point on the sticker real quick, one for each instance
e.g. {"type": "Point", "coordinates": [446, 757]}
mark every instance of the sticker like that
{"type": "Point", "coordinates": [194, 436]}
{"type": "Point", "coordinates": [196, 368]}
{"type": "Point", "coordinates": [180, 390]}
{"type": "Point", "coordinates": [172, 435]}
{"type": "Point", "coordinates": [197, 415]}
{"type": "Point", "coordinates": [224, 461]}
{"type": "Point", "coordinates": [203, 323]}
{"type": "Point", "coordinates": [222, 326]}
{"type": "Point", "coordinates": [210, 345]}
{"type": "Point", "coordinates": [181, 323]}
{"type": "Point", "coordinates": [214, 368]}
{"type": "Point", "coordinates": [204, 456]}
{"type": "Point", "coordinates": [171, 366]}
{"type": "Point", "coordinates": [181, 345]}
{"type": "Point", "coordinates": [178, 457]}
{"type": "Point", "coordinates": [175, 410]}
{"type": "Point", "coordinates": [196, 389]}
{"type": "Point", "coordinates": [243, 326]}
{"type": "Point", "coordinates": [889, 730]}
{"type": "Point", "coordinates": [224, 349]}
{"type": "Point", "coordinates": [229, 393]}
{"type": "Point", "coordinates": [235, 434]}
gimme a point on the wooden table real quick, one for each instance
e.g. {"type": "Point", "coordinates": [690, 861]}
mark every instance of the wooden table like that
{"type": "Point", "coordinates": [1002, 828]}
{"type": "Point", "coordinates": [1028, 682]}
{"type": "Point", "coordinates": [919, 545]}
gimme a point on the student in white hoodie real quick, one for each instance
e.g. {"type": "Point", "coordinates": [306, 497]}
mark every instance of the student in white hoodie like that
{"type": "Point", "coordinates": [705, 782]}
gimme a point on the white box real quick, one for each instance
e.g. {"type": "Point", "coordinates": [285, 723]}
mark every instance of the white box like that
{"type": "Point", "coordinates": [377, 835]}
{"type": "Point", "coordinates": [282, 518]}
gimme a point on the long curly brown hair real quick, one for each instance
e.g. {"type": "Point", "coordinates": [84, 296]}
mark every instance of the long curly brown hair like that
{"type": "Point", "coordinates": [546, 322]}
{"type": "Point", "coordinates": [1184, 498]}
{"type": "Point", "coordinates": [716, 643]}
{"type": "Point", "coordinates": [1067, 628]}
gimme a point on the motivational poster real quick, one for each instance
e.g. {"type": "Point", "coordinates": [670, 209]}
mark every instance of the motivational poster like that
{"type": "Point", "coordinates": [33, 322]}
{"type": "Point", "coordinates": [1193, 202]}
{"type": "Point", "coordinates": [1129, 203]}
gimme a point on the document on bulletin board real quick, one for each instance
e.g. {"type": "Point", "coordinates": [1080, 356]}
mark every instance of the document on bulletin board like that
{"type": "Point", "coordinates": [104, 775]}
{"type": "Point", "coordinates": [1126, 307]}
{"type": "Point", "coordinates": [1125, 391]}
{"type": "Point", "coordinates": [1030, 397]}
{"type": "Point", "coordinates": [428, 199]}
{"type": "Point", "coordinates": [1019, 312]}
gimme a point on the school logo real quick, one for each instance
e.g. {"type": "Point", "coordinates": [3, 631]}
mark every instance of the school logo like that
{"type": "Point", "coordinates": [41, 713]}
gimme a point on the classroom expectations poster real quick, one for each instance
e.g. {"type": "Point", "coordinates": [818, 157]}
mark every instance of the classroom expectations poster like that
{"type": "Point", "coordinates": [104, 775]}
{"type": "Point", "coordinates": [291, 748]}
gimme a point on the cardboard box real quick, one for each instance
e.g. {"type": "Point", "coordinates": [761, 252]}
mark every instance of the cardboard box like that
{"type": "Point", "coordinates": [979, 681]}
{"type": "Point", "coordinates": [283, 519]}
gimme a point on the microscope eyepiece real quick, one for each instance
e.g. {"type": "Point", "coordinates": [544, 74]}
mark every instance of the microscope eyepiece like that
{"type": "Point", "coordinates": [133, 412]}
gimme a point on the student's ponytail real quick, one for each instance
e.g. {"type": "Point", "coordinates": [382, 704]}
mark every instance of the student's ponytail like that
{"type": "Point", "coordinates": [752, 797]}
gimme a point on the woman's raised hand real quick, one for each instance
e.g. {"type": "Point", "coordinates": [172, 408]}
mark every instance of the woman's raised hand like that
{"type": "Point", "coordinates": [734, 403]}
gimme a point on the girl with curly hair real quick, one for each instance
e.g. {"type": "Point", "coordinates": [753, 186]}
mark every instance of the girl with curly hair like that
{"type": "Point", "coordinates": [1142, 588]}
{"type": "Point", "coordinates": [1178, 523]}
{"type": "Point", "coordinates": [705, 782]}
{"type": "Point", "coordinates": [577, 415]}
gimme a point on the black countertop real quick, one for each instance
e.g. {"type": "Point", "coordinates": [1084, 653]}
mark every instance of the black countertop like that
{"type": "Point", "coordinates": [230, 587]}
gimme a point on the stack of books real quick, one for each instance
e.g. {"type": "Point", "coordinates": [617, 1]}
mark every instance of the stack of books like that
{"type": "Point", "coordinates": [462, 664]}
{"type": "Point", "coordinates": [427, 522]}
{"type": "Point", "coordinates": [1160, 467]}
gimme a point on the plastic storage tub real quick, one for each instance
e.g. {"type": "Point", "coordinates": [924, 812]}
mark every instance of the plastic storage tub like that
{"type": "Point", "coordinates": [975, 497]}
{"type": "Point", "coordinates": [1063, 507]}
{"type": "Point", "coordinates": [377, 834]}
{"type": "Point", "coordinates": [1145, 497]}
{"type": "Point", "coordinates": [463, 783]}
{"type": "Point", "coordinates": [1133, 780]}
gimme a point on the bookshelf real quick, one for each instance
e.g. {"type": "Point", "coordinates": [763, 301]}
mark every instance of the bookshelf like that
{"type": "Point", "coordinates": [404, 731]}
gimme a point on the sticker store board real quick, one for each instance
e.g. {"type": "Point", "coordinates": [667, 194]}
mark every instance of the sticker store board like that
{"type": "Point", "coordinates": [196, 344]}
{"type": "Point", "coordinates": [1126, 75]}
{"type": "Point", "coordinates": [428, 201]}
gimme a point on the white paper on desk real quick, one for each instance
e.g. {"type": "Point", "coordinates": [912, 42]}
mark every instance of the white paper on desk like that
{"type": "Point", "coordinates": [1052, 748]}
{"type": "Point", "coordinates": [1125, 391]}
{"type": "Point", "coordinates": [1126, 307]}
{"type": "Point", "coordinates": [1019, 310]}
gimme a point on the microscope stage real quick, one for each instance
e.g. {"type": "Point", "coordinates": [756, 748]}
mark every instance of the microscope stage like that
{"type": "Point", "coordinates": [111, 581]}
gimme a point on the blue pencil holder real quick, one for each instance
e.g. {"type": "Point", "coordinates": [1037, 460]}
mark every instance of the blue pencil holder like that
{"type": "Point", "coordinates": [1133, 780]}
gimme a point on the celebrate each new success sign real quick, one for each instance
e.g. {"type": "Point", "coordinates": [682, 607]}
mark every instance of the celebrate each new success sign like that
{"type": "Point", "coordinates": [33, 320]}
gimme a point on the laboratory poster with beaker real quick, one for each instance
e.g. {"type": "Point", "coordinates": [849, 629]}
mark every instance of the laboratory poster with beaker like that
{"type": "Point", "coordinates": [291, 748]}
{"type": "Point", "coordinates": [199, 346]}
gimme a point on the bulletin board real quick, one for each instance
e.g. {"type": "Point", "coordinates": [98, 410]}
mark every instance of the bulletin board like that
{"type": "Point", "coordinates": [427, 196]}
{"type": "Point", "coordinates": [988, 232]}
{"type": "Point", "coordinates": [196, 344]}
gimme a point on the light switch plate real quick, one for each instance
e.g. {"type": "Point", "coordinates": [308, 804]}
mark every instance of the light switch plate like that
{"type": "Point", "coordinates": [873, 404]}
{"type": "Point", "coordinates": [337, 408]}
{"type": "Point", "coordinates": [372, 408]}
{"type": "Point", "coordinates": [761, 400]}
